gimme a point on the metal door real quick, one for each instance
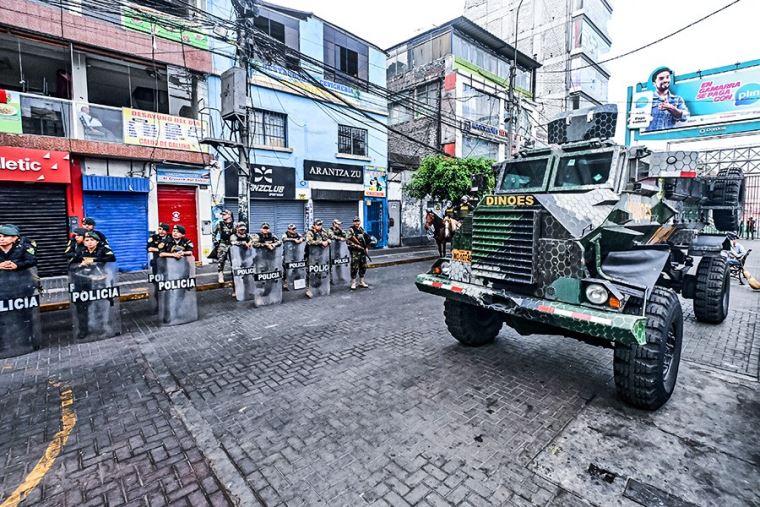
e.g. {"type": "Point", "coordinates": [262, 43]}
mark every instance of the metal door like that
{"type": "Point", "coordinates": [177, 206]}
{"type": "Point", "coordinates": [374, 220]}
{"type": "Point", "coordinates": [394, 223]}
{"type": "Point", "coordinates": [327, 211]}
{"type": "Point", "coordinates": [123, 218]}
{"type": "Point", "coordinates": [279, 214]}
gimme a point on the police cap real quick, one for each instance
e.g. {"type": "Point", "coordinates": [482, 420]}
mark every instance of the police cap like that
{"type": "Point", "coordinates": [317, 222]}
{"type": "Point", "coordinates": [88, 221]}
{"type": "Point", "coordinates": [92, 234]}
{"type": "Point", "coordinates": [292, 227]}
{"type": "Point", "coordinates": [164, 226]}
{"type": "Point", "coordinates": [179, 228]}
{"type": "Point", "coordinates": [9, 230]}
{"type": "Point", "coordinates": [79, 231]}
{"type": "Point", "coordinates": [265, 225]}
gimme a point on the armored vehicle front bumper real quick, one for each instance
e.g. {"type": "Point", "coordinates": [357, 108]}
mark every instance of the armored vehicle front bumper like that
{"type": "Point", "coordinates": [607, 325]}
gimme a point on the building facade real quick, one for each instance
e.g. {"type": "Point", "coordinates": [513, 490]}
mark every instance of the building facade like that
{"type": "Point", "coordinates": [449, 89]}
{"type": "Point", "coordinates": [318, 124]}
{"type": "Point", "coordinates": [569, 37]}
{"type": "Point", "coordinates": [101, 119]}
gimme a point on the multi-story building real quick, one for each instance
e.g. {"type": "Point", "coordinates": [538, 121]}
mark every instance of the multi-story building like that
{"type": "Point", "coordinates": [449, 87]}
{"type": "Point", "coordinates": [569, 37]}
{"type": "Point", "coordinates": [318, 124]}
{"type": "Point", "coordinates": [100, 118]}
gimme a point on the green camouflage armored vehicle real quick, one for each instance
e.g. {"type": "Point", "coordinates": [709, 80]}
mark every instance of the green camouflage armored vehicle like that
{"type": "Point", "coordinates": [593, 240]}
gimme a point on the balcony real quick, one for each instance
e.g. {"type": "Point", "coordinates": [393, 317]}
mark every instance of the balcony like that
{"type": "Point", "coordinates": [47, 116]}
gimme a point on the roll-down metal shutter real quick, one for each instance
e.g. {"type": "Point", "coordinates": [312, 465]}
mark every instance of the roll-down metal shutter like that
{"type": "Point", "coordinates": [123, 218]}
{"type": "Point", "coordinates": [327, 211]}
{"type": "Point", "coordinates": [279, 214]}
{"type": "Point", "coordinates": [40, 212]}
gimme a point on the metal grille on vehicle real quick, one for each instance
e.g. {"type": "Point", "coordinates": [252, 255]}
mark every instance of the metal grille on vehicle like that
{"type": "Point", "coordinates": [503, 244]}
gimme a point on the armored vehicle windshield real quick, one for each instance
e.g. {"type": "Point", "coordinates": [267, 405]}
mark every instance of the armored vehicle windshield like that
{"type": "Point", "coordinates": [582, 170]}
{"type": "Point", "coordinates": [525, 175]}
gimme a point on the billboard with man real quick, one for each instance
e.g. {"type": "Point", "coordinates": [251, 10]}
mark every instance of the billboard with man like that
{"type": "Point", "coordinates": [719, 101]}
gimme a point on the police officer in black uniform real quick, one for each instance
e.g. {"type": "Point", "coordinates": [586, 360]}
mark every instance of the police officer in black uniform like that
{"type": "Point", "coordinates": [93, 250]}
{"type": "Point", "coordinates": [76, 243]}
{"type": "Point", "coordinates": [14, 256]}
{"type": "Point", "coordinates": [155, 242]}
{"type": "Point", "coordinates": [178, 245]}
{"type": "Point", "coordinates": [89, 224]}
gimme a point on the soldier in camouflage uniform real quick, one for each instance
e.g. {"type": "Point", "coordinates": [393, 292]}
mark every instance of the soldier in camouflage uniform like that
{"type": "Point", "coordinates": [336, 232]}
{"type": "Point", "coordinates": [290, 235]}
{"type": "Point", "coordinates": [241, 236]}
{"type": "Point", "coordinates": [221, 234]}
{"type": "Point", "coordinates": [358, 244]}
{"type": "Point", "coordinates": [265, 239]}
{"type": "Point", "coordinates": [316, 237]}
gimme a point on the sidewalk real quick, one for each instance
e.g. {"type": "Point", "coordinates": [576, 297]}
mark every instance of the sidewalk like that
{"type": "Point", "coordinates": [135, 286]}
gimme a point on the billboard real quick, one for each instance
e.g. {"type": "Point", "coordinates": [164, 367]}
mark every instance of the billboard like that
{"type": "Point", "coordinates": [720, 101]}
{"type": "Point", "coordinates": [146, 128]}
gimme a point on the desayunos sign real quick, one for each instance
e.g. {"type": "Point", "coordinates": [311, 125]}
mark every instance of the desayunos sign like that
{"type": "Point", "coordinates": [719, 101]}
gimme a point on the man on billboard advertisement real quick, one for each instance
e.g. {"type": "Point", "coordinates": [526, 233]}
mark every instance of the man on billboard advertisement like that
{"type": "Point", "coordinates": [668, 109]}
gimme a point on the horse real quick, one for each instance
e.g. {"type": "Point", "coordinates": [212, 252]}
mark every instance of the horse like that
{"type": "Point", "coordinates": [443, 230]}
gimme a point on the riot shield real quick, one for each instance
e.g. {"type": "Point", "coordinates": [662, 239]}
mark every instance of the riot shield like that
{"type": "Point", "coordinates": [94, 297]}
{"type": "Point", "coordinates": [19, 312]}
{"type": "Point", "coordinates": [243, 270]}
{"type": "Point", "coordinates": [294, 264]}
{"type": "Point", "coordinates": [268, 284]}
{"type": "Point", "coordinates": [153, 282]}
{"type": "Point", "coordinates": [340, 264]}
{"type": "Point", "coordinates": [177, 303]}
{"type": "Point", "coordinates": [319, 270]}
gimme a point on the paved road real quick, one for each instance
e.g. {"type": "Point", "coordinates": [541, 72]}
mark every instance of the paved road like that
{"type": "Point", "coordinates": [364, 399]}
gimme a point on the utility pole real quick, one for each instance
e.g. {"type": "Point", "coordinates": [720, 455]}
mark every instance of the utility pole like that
{"type": "Point", "coordinates": [512, 77]}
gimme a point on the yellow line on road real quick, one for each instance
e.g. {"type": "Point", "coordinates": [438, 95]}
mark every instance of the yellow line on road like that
{"type": "Point", "coordinates": [68, 421]}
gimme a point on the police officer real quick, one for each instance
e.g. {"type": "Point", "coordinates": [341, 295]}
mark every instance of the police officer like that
{"type": "Point", "coordinates": [76, 243]}
{"type": "Point", "coordinates": [336, 231]}
{"type": "Point", "coordinates": [265, 239]}
{"type": "Point", "coordinates": [316, 237]}
{"type": "Point", "coordinates": [292, 235]}
{"type": "Point", "coordinates": [94, 250]}
{"type": "Point", "coordinates": [241, 237]}
{"type": "Point", "coordinates": [155, 242]}
{"type": "Point", "coordinates": [89, 224]}
{"type": "Point", "coordinates": [178, 245]}
{"type": "Point", "coordinates": [464, 208]}
{"type": "Point", "coordinates": [223, 231]}
{"type": "Point", "coordinates": [358, 243]}
{"type": "Point", "coordinates": [14, 256]}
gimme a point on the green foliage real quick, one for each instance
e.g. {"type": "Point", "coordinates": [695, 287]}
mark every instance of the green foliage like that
{"type": "Point", "coordinates": [446, 178]}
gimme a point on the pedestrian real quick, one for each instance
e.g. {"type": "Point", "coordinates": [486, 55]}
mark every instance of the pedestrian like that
{"type": "Point", "coordinates": [293, 236]}
{"type": "Point", "coordinates": [14, 256]}
{"type": "Point", "coordinates": [76, 243]}
{"type": "Point", "coordinates": [265, 239]}
{"type": "Point", "coordinates": [178, 245]}
{"type": "Point", "coordinates": [89, 224]}
{"type": "Point", "coordinates": [155, 242]}
{"type": "Point", "coordinates": [241, 237]}
{"type": "Point", "coordinates": [358, 243]}
{"type": "Point", "coordinates": [221, 234]}
{"type": "Point", "coordinates": [95, 250]}
{"type": "Point", "coordinates": [751, 228]}
{"type": "Point", "coordinates": [741, 228]}
{"type": "Point", "coordinates": [318, 238]}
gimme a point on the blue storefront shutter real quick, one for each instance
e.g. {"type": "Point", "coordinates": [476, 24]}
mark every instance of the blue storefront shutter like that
{"type": "Point", "coordinates": [120, 208]}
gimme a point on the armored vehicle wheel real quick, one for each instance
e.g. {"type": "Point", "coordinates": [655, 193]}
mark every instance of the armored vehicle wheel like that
{"type": "Point", "coordinates": [713, 289]}
{"type": "Point", "coordinates": [728, 192]}
{"type": "Point", "coordinates": [471, 325]}
{"type": "Point", "coordinates": [645, 375]}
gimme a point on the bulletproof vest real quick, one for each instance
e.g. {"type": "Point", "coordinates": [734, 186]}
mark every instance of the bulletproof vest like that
{"type": "Point", "coordinates": [359, 234]}
{"type": "Point", "coordinates": [293, 235]}
{"type": "Point", "coordinates": [178, 246]}
{"type": "Point", "coordinates": [320, 236]}
{"type": "Point", "coordinates": [339, 232]}
{"type": "Point", "coordinates": [266, 238]}
{"type": "Point", "coordinates": [226, 230]}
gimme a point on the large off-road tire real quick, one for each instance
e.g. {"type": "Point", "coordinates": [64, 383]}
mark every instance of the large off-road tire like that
{"type": "Point", "coordinates": [645, 375]}
{"type": "Point", "coordinates": [471, 325]}
{"type": "Point", "coordinates": [728, 191]}
{"type": "Point", "coordinates": [713, 290]}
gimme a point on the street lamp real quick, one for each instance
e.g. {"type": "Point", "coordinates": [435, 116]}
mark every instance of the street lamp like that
{"type": "Point", "coordinates": [512, 76]}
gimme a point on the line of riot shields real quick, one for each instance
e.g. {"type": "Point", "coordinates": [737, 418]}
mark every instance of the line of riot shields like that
{"type": "Point", "coordinates": [94, 292]}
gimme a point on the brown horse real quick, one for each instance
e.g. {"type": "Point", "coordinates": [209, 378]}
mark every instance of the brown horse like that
{"type": "Point", "coordinates": [443, 230]}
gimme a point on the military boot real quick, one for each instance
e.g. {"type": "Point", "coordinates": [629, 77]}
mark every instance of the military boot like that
{"type": "Point", "coordinates": [220, 277]}
{"type": "Point", "coordinates": [353, 284]}
{"type": "Point", "coordinates": [363, 284]}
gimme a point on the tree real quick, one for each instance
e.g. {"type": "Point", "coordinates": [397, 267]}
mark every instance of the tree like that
{"type": "Point", "coordinates": [448, 179]}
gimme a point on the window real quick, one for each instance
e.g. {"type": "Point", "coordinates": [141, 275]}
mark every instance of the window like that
{"type": "Point", "coordinates": [577, 171]}
{"type": "Point", "coordinates": [270, 129]}
{"type": "Point", "coordinates": [398, 113]}
{"type": "Point", "coordinates": [348, 61]}
{"type": "Point", "coordinates": [35, 67]}
{"type": "Point", "coordinates": [348, 56]}
{"type": "Point", "coordinates": [352, 141]}
{"type": "Point", "coordinates": [284, 30]}
{"type": "Point", "coordinates": [479, 106]}
{"type": "Point", "coordinates": [524, 175]}
{"type": "Point", "coordinates": [476, 147]}
{"type": "Point", "coordinates": [427, 100]}
{"type": "Point", "coordinates": [120, 83]}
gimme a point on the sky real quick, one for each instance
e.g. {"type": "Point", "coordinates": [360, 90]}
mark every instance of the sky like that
{"type": "Point", "coordinates": [726, 38]}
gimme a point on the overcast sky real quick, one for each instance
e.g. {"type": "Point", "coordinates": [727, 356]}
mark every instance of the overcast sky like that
{"type": "Point", "coordinates": [726, 38]}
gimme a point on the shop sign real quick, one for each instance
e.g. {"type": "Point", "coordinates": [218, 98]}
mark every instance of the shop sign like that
{"type": "Point", "coordinates": [163, 25]}
{"type": "Point", "coordinates": [20, 164]}
{"type": "Point", "coordinates": [273, 182]}
{"type": "Point", "coordinates": [145, 128]}
{"type": "Point", "coordinates": [180, 176]}
{"type": "Point", "coordinates": [375, 181]}
{"type": "Point", "coordinates": [10, 112]}
{"type": "Point", "coordinates": [485, 130]}
{"type": "Point", "coordinates": [329, 171]}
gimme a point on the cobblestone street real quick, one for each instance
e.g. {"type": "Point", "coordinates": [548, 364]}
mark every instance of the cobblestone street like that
{"type": "Point", "coordinates": [363, 398]}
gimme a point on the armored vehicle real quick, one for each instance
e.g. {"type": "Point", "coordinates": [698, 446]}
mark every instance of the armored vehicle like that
{"type": "Point", "coordinates": [595, 241]}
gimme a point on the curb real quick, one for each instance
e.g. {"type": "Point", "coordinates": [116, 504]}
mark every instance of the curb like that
{"type": "Point", "coordinates": [141, 295]}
